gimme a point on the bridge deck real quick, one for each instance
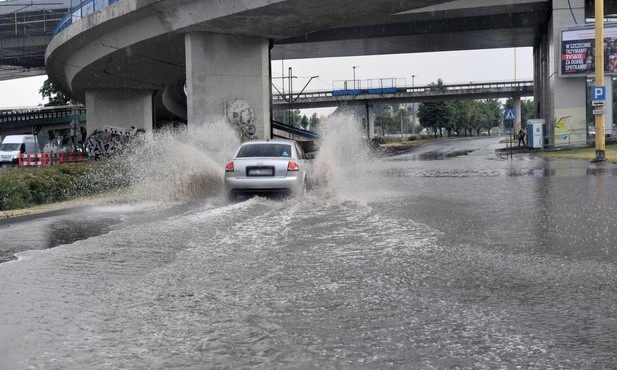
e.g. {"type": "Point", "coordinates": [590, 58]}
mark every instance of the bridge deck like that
{"type": "Point", "coordinates": [407, 94]}
{"type": "Point", "coordinates": [41, 116]}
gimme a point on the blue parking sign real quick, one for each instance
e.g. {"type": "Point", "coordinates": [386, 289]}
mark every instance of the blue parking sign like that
{"type": "Point", "coordinates": [598, 93]}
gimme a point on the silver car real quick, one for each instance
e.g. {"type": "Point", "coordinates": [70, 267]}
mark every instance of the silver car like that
{"type": "Point", "coordinates": [267, 166]}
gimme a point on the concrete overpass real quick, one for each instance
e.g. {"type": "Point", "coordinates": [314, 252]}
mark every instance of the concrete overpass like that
{"type": "Point", "coordinates": [129, 60]}
{"type": "Point", "coordinates": [404, 94]}
{"type": "Point", "coordinates": [26, 28]}
{"type": "Point", "coordinates": [32, 120]}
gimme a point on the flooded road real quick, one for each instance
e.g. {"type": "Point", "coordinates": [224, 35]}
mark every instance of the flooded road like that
{"type": "Point", "coordinates": [446, 256]}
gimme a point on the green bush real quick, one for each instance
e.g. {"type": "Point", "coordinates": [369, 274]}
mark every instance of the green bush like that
{"type": "Point", "coordinates": [28, 186]}
{"type": "Point", "coordinates": [14, 193]}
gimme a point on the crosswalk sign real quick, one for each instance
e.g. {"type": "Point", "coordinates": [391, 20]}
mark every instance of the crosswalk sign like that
{"type": "Point", "coordinates": [509, 114]}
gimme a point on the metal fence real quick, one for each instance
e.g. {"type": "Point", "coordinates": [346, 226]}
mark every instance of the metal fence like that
{"type": "Point", "coordinates": [84, 9]}
{"type": "Point", "coordinates": [30, 23]}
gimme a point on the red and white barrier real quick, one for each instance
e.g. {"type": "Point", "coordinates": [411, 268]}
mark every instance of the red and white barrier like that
{"type": "Point", "coordinates": [49, 159]}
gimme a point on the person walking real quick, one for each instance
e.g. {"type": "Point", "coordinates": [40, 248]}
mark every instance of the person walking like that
{"type": "Point", "coordinates": [521, 137]}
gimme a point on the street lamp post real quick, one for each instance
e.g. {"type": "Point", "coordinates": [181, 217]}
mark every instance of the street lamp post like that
{"type": "Point", "coordinates": [354, 76]}
{"type": "Point", "coordinates": [290, 119]}
{"type": "Point", "coordinates": [413, 105]}
{"type": "Point", "coordinates": [301, 91]}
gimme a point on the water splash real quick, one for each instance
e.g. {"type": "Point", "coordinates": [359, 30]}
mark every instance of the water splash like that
{"type": "Point", "coordinates": [343, 166]}
{"type": "Point", "coordinates": [181, 164]}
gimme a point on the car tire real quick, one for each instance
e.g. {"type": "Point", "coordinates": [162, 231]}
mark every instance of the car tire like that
{"type": "Point", "coordinates": [301, 191]}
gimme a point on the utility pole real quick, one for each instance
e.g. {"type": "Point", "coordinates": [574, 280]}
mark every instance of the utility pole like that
{"type": "Point", "coordinates": [413, 105]}
{"type": "Point", "coordinates": [401, 124]}
{"type": "Point", "coordinates": [291, 117]}
{"type": "Point", "coordinates": [600, 119]}
{"type": "Point", "coordinates": [354, 76]}
{"type": "Point", "coordinates": [287, 96]}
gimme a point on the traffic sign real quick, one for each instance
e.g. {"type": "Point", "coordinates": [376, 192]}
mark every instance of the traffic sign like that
{"type": "Point", "coordinates": [509, 114]}
{"type": "Point", "coordinates": [597, 112]}
{"type": "Point", "coordinates": [598, 93]}
{"type": "Point", "coordinates": [597, 103]}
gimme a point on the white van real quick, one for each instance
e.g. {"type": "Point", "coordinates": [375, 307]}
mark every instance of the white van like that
{"type": "Point", "coordinates": [14, 145]}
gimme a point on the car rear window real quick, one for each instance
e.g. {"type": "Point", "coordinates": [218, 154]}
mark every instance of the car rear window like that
{"type": "Point", "coordinates": [265, 150]}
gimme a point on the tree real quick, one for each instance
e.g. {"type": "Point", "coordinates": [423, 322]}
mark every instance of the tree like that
{"type": "Point", "coordinates": [437, 115]}
{"type": "Point", "coordinates": [462, 111]}
{"type": "Point", "coordinates": [401, 121]}
{"type": "Point", "coordinates": [494, 111]}
{"type": "Point", "coordinates": [469, 116]}
{"type": "Point", "coordinates": [304, 122]}
{"type": "Point", "coordinates": [384, 120]}
{"type": "Point", "coordinates": [56, 97]}
{"type": "Point", "coordinates": [291, 118]}
{"type": "Point", "coordinates": [296, 118]}
{"type": "Point", "coordinates": [313, 122]}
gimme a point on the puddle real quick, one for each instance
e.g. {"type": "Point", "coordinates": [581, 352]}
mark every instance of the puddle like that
{"type": "Point", "coordinates": [438, 155]}
{"type": "Point", "coordinates": [70, 231]}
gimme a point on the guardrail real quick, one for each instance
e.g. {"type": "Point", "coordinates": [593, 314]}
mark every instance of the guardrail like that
{"type": "Point", "coordinates": [82, 10]}
{"type": "Point", "coordinates": [384, 86]}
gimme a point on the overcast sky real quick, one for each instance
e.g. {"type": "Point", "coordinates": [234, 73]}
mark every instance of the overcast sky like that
{"type": "Point", "coordinates": [451, 67]}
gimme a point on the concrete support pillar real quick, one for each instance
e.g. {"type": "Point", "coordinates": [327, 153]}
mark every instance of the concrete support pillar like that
{"type": "Point", "coordinates": [540, 79]}
{"type": "Point", "coordinates": [228, 78]}
{"type": "Point", "coordinates": [516, 102]}
{"type": "Point", "coordinates": [566, 96]}
{"type": "Point", "coordinates": [370, 122]}
{"type": "Point", "coordinates": [119, 109]}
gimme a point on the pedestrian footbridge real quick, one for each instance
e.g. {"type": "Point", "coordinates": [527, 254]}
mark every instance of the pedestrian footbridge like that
{"type": "Point", "coordinates": [33, 119]}
{"type": "Point", "coordinates": [381, 91]}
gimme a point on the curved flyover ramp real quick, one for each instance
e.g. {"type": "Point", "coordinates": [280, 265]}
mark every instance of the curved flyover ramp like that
{"type": "Point", "coordinates": [120, 59]}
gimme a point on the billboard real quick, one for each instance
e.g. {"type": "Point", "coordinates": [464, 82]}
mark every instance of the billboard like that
{"type": "Point", "coordinates": [578, 52]}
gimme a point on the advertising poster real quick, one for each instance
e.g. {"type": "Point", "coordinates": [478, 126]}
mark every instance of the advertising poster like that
{"type": "Point", "coordinates": [578, 52]}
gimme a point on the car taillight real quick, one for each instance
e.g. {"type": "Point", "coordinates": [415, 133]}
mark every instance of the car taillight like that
{"type": "Point", "coordinates": [229, 167]}
{"type": "Point", "coordinates": [292, 166]}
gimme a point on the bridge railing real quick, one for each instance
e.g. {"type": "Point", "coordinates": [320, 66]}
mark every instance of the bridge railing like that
{"type": "Point", "coordinates": [17, 114]}
{"type": "Point", "coordinates": [82, 10]}
{"type": "Point", "coordinates": [386, 86]}
{"type": "Point", "coordinates": [457, 87]}
{"type": "Point", "coordinates": [30, 23]}
{"type": "Point", "coordinates": [374, 83]}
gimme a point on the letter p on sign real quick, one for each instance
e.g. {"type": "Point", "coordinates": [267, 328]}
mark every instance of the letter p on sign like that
{"type": "Point", "coordinates": [598, 93]}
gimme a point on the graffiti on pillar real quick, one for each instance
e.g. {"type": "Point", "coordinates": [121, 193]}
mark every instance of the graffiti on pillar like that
{"type": "Point", "coordinates": [110, 141]}
{"type": "Point", "coordinates": [240, 115]}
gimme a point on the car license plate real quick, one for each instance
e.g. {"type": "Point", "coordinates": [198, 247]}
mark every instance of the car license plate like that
{"type": "Point", "coordinates": [260, 171]}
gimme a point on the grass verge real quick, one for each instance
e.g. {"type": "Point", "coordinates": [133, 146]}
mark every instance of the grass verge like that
{"type": "Point", "coordinates": [584, 153]}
